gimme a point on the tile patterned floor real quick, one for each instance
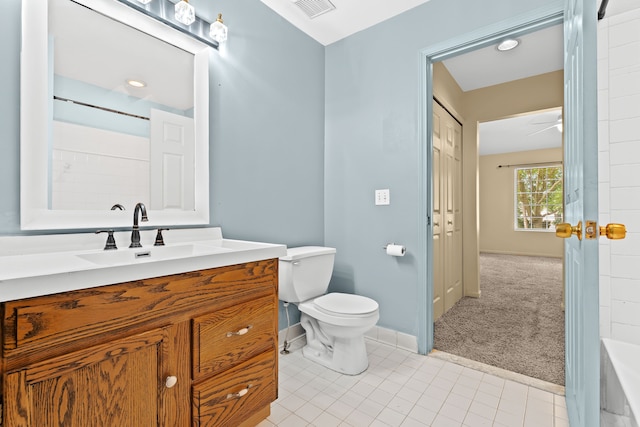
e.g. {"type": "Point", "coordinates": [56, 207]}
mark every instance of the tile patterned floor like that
{"type": "Point", "coordinates": [401, 388]}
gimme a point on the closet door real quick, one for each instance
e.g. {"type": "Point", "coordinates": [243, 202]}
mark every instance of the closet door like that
{"type": "Point", "coordinates": [438, 229]}
{"type": "Point", "coordinates": [447, 211]}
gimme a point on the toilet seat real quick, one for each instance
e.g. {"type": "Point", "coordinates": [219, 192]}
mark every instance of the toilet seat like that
{"type": "Point", "coordinates": [345, 304]}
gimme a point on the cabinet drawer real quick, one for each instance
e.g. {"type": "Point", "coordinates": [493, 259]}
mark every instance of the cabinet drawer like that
{"type": "Point", "coordinates": [233, 334]}
{"type": "Point", "coordinates": [230, 398]}
{"type": "Point", "coordinates": [38, 323]}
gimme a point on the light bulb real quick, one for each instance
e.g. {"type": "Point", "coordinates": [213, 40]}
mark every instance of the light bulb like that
{"type": "Point", "coordinates": [508, 44]}
{"type": "Point", "coordinates": [185, 13]}
{"type": "Point", "coordinates": [218, 31]}
{"type": "Point", "coordinates": [136, 83]}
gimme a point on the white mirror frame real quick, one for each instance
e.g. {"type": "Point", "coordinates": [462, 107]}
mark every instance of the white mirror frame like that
{"type": "Point", "coordinates": [35, 124]}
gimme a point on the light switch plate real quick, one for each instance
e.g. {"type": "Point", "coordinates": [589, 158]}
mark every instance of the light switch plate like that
{"type": "Point", "coordinates": [382, 197]}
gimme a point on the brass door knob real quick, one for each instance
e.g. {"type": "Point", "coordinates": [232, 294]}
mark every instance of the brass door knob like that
{"type": "Point", "coordinates": [566, 230]}
{"type": "Point", "coordinates": [614, 231]}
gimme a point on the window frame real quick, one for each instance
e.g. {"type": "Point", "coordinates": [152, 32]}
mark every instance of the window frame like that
{"type": "Point", "coordinates": [555, 164]}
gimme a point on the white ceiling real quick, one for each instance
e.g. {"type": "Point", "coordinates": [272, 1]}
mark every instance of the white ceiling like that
{"type": "Point", "coordinates": [538, 53]}
{"type": "Point", "coordinates": [349, 16]}
{"type": "Point", "coordinates": [534, 131]}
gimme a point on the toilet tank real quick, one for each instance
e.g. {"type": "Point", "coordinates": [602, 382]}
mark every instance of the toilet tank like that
{"type": "Point", "coordinates": [305, 272]}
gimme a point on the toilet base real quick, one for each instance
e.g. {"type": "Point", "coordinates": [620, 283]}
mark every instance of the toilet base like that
{"type": "Point", "coordinates": [347, 355]}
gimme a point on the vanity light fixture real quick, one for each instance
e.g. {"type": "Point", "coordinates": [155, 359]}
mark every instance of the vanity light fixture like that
{"type": "Point", "coordinates": [136, 83]}
{"type": "Point", "coordinates": [185, 13]}
{"type": "Point", "coordinates": [180, 16]}
{"type": "Point", "coordinates": [508, 44]}
{"type": "Point", "coordinates": [218, 31]}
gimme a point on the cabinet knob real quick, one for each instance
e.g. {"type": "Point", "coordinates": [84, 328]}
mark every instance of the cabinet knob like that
{"type": "Point", "coordinates": [239, 332]}
{"type": "Point", "coordinates": [170, 381]}
{"type": "Point", "coordinates": [239, 394]}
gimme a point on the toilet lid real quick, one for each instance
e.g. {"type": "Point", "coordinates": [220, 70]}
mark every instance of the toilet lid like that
{"type": "Point", "coordinates": [345, 303]}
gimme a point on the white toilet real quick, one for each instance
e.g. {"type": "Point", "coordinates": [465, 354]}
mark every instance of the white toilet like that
{"type": "Point", "coordinates": [335, 323]}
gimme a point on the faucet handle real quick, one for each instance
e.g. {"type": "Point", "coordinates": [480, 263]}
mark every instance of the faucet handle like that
{"type": "Point", "coordinates": [159, 239]}
{"type": "Point", "coordinates": [111, 241]}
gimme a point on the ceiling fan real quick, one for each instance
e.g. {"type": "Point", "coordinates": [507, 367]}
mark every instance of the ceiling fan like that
{"type": "Point", "coordinates": [553, 124]}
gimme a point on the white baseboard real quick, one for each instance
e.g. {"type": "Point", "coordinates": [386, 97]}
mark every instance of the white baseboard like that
{"type": "Point", "coordinates": [297, 338]}
{"type": "Point", "coordinates": [393, 338]}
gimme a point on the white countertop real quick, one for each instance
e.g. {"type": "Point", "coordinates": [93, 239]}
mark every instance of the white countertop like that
{"type": "Point", "coordinates": [47, 264]}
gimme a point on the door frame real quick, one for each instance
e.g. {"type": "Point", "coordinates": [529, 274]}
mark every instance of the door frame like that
{"type": "Point", "coordinates": [518, 25]}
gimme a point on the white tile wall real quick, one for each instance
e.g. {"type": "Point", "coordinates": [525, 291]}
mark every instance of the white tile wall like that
{"type": "Point", "coordinates": [619, 170]}
{"type": "Point", "coordinates": [95, 169]}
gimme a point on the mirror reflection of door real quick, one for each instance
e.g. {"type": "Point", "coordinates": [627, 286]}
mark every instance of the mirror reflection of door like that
{"type": "Point", "coordinates": [172, 160]}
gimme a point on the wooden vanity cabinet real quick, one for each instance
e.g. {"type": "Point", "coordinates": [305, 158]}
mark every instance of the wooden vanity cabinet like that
{"type": "Point", "coordinates": [197, 348]}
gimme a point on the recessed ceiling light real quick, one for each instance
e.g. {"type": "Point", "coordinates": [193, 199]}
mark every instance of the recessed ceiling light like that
{"type": "Point", "coordinates": [508, 44]}
{"type": "Point", "coordinates": [136, 83]}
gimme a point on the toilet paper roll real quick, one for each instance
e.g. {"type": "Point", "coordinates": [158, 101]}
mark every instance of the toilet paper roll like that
{"type": "Point", "coordinates": [396, 250]}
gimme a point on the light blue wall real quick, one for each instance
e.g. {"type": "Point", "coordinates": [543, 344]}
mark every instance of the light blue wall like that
{"type": "Point", "coordinates": [267, 126]}
{"type": "Point", "coordinates": [372, 141]}
{"type": "Point", "coordinates": [267, 152]}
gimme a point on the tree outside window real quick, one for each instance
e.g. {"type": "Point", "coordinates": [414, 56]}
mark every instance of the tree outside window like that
{"type": "Point", "coordinates": [539, 195]}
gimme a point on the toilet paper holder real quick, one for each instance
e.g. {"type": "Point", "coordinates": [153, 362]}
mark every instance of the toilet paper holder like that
{"type": "Point", "coordinates": [387, 245]}
{"type": "Point", "coordinates": [394, 249]}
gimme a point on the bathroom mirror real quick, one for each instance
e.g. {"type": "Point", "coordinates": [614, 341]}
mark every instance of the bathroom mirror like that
{"type": "Point", "coordinates": [89, 139]}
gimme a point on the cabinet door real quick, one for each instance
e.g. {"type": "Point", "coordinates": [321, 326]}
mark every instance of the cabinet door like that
{"type": "Point", "coordinates": [121, 383]}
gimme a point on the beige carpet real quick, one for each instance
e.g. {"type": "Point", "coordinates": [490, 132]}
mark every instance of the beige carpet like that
{"type": "Point", "coordinates": [517, 324]}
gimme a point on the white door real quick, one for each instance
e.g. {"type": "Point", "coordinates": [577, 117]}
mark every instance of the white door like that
{"type": "Point", "coordinates": [582, 347]}
{"type": "Point", "coordinates": [447, 211]}
{"type": "Point", "coordinates": [172, 157]}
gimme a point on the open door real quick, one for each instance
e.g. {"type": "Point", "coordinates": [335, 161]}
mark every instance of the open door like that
{"type": "Point", "coordinates": [582, 343]}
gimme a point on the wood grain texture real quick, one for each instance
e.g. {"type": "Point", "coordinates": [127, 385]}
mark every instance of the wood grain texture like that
{"type": "Point", "coordinates": [214, 403]}
{"type": "Point", "coordinates": [111, 384]}
{"type": "Point", "coordinates": [215, 349]}
{"type": "Point", "coordinates": [100, 356]}
{"type": "Point", "coordinates": [175, 409]}
{"type": "Point", "coordinates": [42, 327]}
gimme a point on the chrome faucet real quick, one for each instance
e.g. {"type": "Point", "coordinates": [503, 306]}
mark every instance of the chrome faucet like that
{"type": "Point", "coordinates": [135, 233]}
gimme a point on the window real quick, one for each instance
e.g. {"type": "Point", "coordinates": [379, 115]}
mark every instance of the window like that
{"type": "Point", "coordinates": [538, 198]}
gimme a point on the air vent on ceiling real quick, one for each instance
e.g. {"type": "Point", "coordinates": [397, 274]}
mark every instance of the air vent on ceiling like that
{"type": "Point", "coordinates": [314, 8]}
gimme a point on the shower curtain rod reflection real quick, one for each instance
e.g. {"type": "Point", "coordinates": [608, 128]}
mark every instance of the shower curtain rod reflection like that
{"type": "Point", "coordinates": [530, 164]}
{"type": "Point", "coordinates": [110, 110]}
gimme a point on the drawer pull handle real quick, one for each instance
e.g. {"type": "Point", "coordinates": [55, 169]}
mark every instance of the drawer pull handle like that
{"type": "Point", "coordinates": [170, 381]}
{"type": "Point", "coordinates": [239, 394]}
{"type": "Point", "coordinates": [240, 332]}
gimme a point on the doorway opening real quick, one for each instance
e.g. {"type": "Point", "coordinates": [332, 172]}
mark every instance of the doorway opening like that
{"type": "Point", "coordinates": [504, 262]}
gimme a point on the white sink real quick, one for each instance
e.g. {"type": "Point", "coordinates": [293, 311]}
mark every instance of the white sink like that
{"type": "Point", "coordinates": [154, 253]}
{"type": "Point", "coordinates": [32, 266]}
